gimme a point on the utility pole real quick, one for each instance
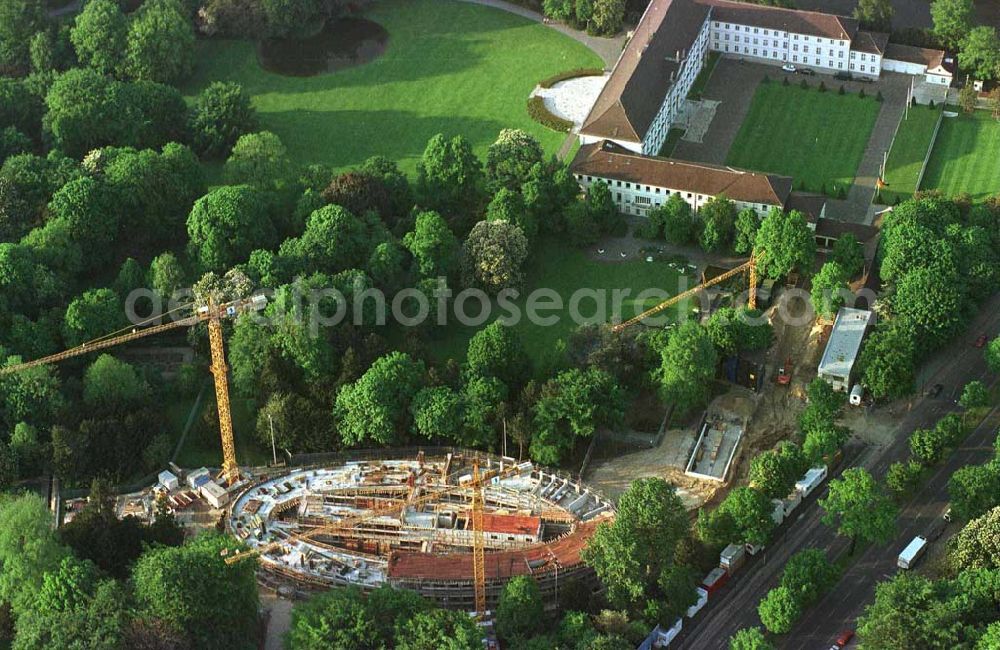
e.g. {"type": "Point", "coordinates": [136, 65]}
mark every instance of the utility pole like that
{"type": "Point", "coordinates": [274, 451]}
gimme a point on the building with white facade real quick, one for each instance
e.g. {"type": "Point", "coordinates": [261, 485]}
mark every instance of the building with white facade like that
{"type": "Point", "coordinates": [647, 89]}
{"type": "Point", "coordinates": [844, 346]}
{"type": "Point", "coordinates": [640, 183]}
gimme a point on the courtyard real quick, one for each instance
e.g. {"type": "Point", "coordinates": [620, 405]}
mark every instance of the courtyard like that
{"type": "Point", "coordinates": [449, 67]}
{"type": "Point", "coordinates": [966, 156]}
{"type": "Point", "coordinates": [816, 137]}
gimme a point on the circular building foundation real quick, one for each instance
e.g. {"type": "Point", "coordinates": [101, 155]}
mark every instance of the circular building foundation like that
{"type": "Point", "coordinates": [406, 521]}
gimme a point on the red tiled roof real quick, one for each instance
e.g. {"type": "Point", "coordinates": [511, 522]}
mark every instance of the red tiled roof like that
{"type": "Point", "coordinates": [798, 21]}
{"type": "Point", "coordinates": [563, 552]}
{"type": "Point", "coordinates": [511, 524]}
{"type": "Point", "coordinates": [609, 160]}
{"type": "Point", "coordinates": [910, 54]}
{"type": "Point", "coordinates": [872, 42]}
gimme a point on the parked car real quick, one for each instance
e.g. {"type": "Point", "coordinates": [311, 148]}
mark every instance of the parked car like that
{"type": "Point", "coordinates": [934, 390]}
{"type": "Point", "coordinates": [980, 342]}
{"type": "Point", "coordinates": [842, 76]}
{"type": "Point", "coordinates": [844, 638]}
{"type": "Point", "coordinates": [788, 67]}
{"type": "Point", "coordinates": [947, 514]}
{"type": "Point", "coordinates": [867, 80]}
{"type": "Point", "coordinates": [807, 71]}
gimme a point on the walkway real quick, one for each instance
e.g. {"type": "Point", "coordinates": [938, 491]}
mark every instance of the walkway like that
{"type": "Point", "coordinates": [607, 48]}
{"type": "Point", "coordinates": [855, 208]}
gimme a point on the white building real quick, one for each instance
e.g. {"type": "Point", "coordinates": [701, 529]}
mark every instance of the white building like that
{"type": "Point", "coordinates": [215, 494]}
{"type": "Point", "coordinates": [844, 346]}
{"type": "Point", "coordinates": [168, 480]}
{"type": "Point", "coordinates": [646, 91]}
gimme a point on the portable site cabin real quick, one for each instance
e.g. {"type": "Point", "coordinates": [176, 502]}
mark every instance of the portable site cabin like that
{"type": "Point", "coordinates": [168, 481]}
{"type": "Point", "coordinates": [912, 552]}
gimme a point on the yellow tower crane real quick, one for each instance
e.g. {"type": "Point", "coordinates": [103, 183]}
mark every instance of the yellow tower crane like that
{"type": "Point", "coordinates": [750, 266]}
{"type": "Point", "coordinates": [211, 313]}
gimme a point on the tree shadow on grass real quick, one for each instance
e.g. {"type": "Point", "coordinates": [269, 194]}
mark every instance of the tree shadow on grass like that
{"type": "Point", "coordinates": [347, 138]}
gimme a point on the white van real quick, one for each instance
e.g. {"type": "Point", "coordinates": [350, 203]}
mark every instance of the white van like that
{"type": "Point", "coordinates": [912, 552]}
{"type": "Point", "coordinates": [857, 393]}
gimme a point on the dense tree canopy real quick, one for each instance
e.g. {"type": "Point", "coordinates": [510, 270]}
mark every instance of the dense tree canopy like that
{"type": "Point", "coordinates": [99, 34]}
{"type": "Point", "coordinates": [574, 403]}
{"type": "Point", "coordinates": [190, 588]}
{"type": "Point", "coordinates": [493, 256]}
{"type": "Point", "coordinates": [635, 553]}
{"type": "Point", "coordinates": [220, 115]}
{"type": "Point", "coordinates": [375, 408]}
{"type": "Point", "coordinates": [226, 224]}
{"type": "Point", "coordinates": [160, 43]}
{"type": "Point", "coordinates": [518, 610]}
{"type": "Point", "coordinates": [952, 20]}
{"type": "Point", "coordinates": [784, 243]}
{"type": "Point", "coordinates": [687, 367]}
{"type": "Point", "coordinates": [858, 508]}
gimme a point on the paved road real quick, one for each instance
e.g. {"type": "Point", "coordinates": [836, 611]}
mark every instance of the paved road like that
{"type": "Point", "coordinates": [735, 606]}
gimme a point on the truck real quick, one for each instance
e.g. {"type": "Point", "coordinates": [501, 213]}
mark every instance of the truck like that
{"type": "Point", "coordinates": [732, 558]}
{"type": "Point", "coordinates": [715, 580]}
{"type": "Point", "coordinates": [785, 373]}
{"type": "Point", "coordinates": [810, 481]}
{"type": "Point", "coordinates": [912, 552]}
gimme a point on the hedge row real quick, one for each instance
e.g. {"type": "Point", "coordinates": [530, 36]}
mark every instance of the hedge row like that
{"type": "Point", "coordinates": [545, 117]}
{"type": "Point", "coordinates": [570, 74]}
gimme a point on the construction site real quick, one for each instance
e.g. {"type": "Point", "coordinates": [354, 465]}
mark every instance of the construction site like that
{"type": "Point", "coordinates": [409, 521]}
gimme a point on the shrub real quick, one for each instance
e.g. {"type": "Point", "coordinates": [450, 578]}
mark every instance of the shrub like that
{"type": "Point", "coordinates": [766, 80]}
{"type": "Point", "coordinates": [803, 84]}
{"type": "Point", "coordinates": [784, 81]}
{"type": "Point", "coordinates": [841, 91]}
{"type": "Point", "coordinates": [878, 97]}
{"type": "Point", "coordinates": [822, 87]}
{"type": "Point", "coordinates": [861, 93]}
{"type": "Point", "coordinates": [902, 478]}
{"type": "Point", "coordinates": [822, 188]}
{"type": "Point", "coordinates": [841, 192]}
{"type": "Point", "coordinates": [930, 105]}
{"type": "Point", "coordinates": [541, 114]}
{"type": "Point", "coordinates": [548, 82]}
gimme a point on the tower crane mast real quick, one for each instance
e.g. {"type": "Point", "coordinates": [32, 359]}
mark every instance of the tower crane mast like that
{"type": "Point", "coordinates": [211, 313]}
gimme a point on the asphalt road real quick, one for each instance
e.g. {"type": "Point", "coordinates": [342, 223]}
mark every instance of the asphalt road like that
{"type": "Point", "coordinates": [735, 606]}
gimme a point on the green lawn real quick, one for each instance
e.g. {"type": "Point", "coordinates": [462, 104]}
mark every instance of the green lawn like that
{"type": "Point", "coordinates": [913, 140]}
{"type": "Point", "coordinates": [966, 156]}
{"type": "Point", "coordinates": [698, 86]}
{"type": "Point", "coordinates": [816, 138]}
{"type": "Point", "coordinates": [558, 266]}
{"type": "Point", "coordinates": [450, 67]}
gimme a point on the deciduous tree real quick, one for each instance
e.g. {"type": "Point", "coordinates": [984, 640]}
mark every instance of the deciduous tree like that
{"type": "Point", "coordinates": [439, 628]}
{"type": "Point", "coordinates": [784, 243]}
{"type": "Point", "coordinates": [977, 545]}
{"type": "Point", "coordinates": [874, 14]}
{"type": "Point", "coordinates": [98, 35]}
{"type": "Point", "coordinates": [220, 115]}
{"type": "Point", "coordinates": [952, 20]}
{"type": "Point", "coordinates": [775, 471]}
{"type": "Point", "coordinates": [226, 224]}
{"type": "Point", "coordinates": [509, 160]}
{"type": "Point", "coordinates": [434, 247]}
{"type": "Point", "coordinates": [750, 638]}
{"type": "Point", "coordinates": [979, 53]}
{"type": "Point", "coordinates": [518, 610]}
{"type": "Point", "coordinates": [718, 216]}
{"type": "Point", "coordinates": [375, 408]}
{"type": "Point", "coordinates": [747, 225]}
{"type": "Point", "coordinates": [974, 489]}
{"type": "Point", "coordinates": [493, 255]}
{"type": "Point", "coordinates": [160, 43]}
{"type": "Point", "coordinates": [679, 223]}
{"type": "Point", "coordinates": [974, 395]}
{"type": "Point", "coordinates": [573, 404]}
{"type": "Point", "coordinates": [859, 508]}
{"type": "Point", "coordinates": [829, 288]}
{"type": "Point", "coordinates": [687, 367]}
{"type": "Point", "coordinates": [848, 253]}
{"type": "Point", "coordinates": [497, 351]}
{"type": "Point", "coordinates": [779, 610]}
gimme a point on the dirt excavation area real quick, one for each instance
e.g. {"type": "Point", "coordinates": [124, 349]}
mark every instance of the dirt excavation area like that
{"type": "Point", "coordinates": [767, 418]}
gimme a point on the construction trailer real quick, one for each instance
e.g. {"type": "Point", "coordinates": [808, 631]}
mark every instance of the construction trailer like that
{"type": "Point", "coordinates": [732, 558]}
{"type": "Point", "coordinates": [168, 481]}
{"type": "Point", "coordinates": [844, 347]}
{"type": "Point", "coordinates": [805, 485]}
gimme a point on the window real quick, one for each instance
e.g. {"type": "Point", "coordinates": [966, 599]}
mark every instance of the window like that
{"type": "Point", "coordinates": [805, 38]}
{"type": "Point", "coordinates": [805, 48]}
{"type": "Point", "coordinates": [852, 66]}
{"type": "Point", "coordinates": [656, 190]}
{"type": "Point", "coordinates": [840, 64]}
{"type": "Point", "coordinates": [746, 39]}
{"type": "Point", "coordinates": [590, 179]}
{"type": "Point", "coordinates": [755, 41]}
{"type": "Point", "coordinates": [795, 58]}
{"type": "Point", "coordinates": [829, 64]}
{"type": "Point", "coordinates": [853, 54]}
{"type": "Point", "coordinates": [755, 51]}
{"type": "Point", "coordinates": [727, 38]}
{"type": "Point", "coordinates": [795, 47]}
{"type": "Point", "coordinates": [796, 37]}
{"type": "Point", "coordinates": [618, 183]}
{"type": "Point", "coordinates": [755, 30]}
{"type": "Point", "coordinates": [840, 54]}
{"type": "Point", "coordinates": [831, 52]}
{"type": "Point", "coordinates": [689, 194]}
{"type": "Point", "coordinates": [765, 32]}
{"type": "Point", "coordinates": [716, 24]}
{"type": "Point", "coordinates": [618, 197]}
{"type": "Point", "coordinates": [643, 200]}
{"type": "Point", "coordinates": [817, 60]}
{"type": "Point", "coordinates": [862, 67]}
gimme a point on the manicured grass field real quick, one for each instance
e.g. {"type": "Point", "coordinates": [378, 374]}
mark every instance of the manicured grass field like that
{"type": "Point", "coordinates": [564, 269]}
{"type": "Point", "coordinates": [818, 138]}
{"type": "Point", "coordinates": [913, 140]}
{"type": "Point", "coordinates": [450, 67]}
{"type": "Point", "coordinates": [966, 156]}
